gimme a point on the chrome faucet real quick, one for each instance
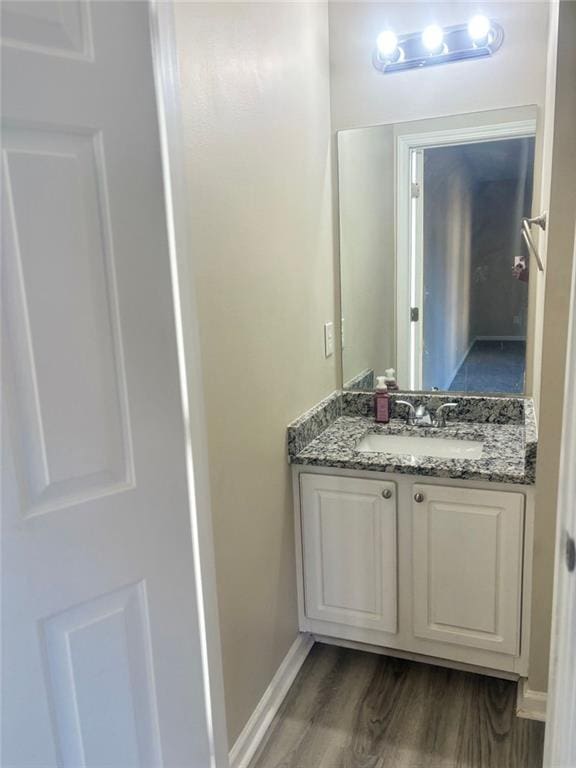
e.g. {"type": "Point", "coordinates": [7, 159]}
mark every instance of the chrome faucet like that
{"type": "Point", "coordinates": [420, 416]}
{"type": "Point", "coordinates": [440, 414]}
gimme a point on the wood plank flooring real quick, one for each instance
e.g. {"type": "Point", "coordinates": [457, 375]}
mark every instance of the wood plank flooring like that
{"type": "Point", "coordinates": [350, 709]}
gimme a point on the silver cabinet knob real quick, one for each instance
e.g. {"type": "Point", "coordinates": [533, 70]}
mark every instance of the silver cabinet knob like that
{"type": "Point", "coordinates": [419, 497]}
{"type": "Point", "coordinates": [387, 493]}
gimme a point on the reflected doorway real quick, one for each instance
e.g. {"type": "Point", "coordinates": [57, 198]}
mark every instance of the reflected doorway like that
{"type": "Point", "coordinates": [467, 318]}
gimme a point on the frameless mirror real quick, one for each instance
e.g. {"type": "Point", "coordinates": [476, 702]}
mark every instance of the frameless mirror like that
{"type": "Point", "coordinates": [434, 270]}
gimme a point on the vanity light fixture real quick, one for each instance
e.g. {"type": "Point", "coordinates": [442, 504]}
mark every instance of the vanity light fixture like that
{"type": "Point", "coordinates": [478, 38]}
{"type": "Point", "coordinates": [433, 39]}
{"type": "Point", "coordinates": [387, 45]}
{"type": "Point", "coordinates": [479, 29]}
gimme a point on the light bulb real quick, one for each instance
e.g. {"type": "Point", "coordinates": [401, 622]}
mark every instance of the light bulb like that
{"type": "Point", "coordinates": [433, 37]}
{"type": "Point", "coordinates": [387, 44]}
{"type": "Point", "coordinates": [479, 28]}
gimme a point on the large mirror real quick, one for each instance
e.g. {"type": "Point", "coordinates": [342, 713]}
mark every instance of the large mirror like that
{"type": "Point", "coordinates": [435, 275]}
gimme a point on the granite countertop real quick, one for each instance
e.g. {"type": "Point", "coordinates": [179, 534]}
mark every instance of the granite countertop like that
{"type": "Point", "coordinates": [508, 455]}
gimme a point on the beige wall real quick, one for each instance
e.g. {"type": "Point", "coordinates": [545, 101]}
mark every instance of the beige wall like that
{"type": "Point", "coordinates": [556, 315]}
{"type": "Point", "coordinates": [256, 101]}
{"type": "Point", "coordinates": [366, 186]}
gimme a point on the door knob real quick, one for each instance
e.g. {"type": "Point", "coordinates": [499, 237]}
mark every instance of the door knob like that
{"type": "Point", "coordinates": [387, 493]}
{"type": "Point", "coordinates": [419, 497]}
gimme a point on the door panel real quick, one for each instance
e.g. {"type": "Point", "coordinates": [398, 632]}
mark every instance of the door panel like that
{"type": "Point", "coordinates": [102, 651]}
{"type": "Point", "coordinates": [467, 565]}
{"type": "Point", "coordinates": [94, 648]}
{"type": "Point", "coordinates": [349, 540]}
{"type": "Point", "coordinates": [52, 27]}
{"type": "Point", "coordinates": [76, 441]}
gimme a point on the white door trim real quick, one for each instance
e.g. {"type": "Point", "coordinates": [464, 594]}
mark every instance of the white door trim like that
{"type": "Point", "coordinates": [560, 741]}
{"type": "Point", "coordinates": [407, 237]}
{"type": "Point", "coordinates": [547, 147]}
{"type": "Point", "coordinates": [166, 76]}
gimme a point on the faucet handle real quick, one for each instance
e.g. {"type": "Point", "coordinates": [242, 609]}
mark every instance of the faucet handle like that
{"type": "Point", "coordinates": [411, 413]}
{"type": "Point", "coordinates": [440, 415]}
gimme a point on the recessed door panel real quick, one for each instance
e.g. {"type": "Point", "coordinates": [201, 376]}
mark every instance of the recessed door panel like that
{"type": "Point", "coordinates": [467, 564]}
{"type": "Point", "coordinates": [457, 568]}
{"type": "Point", "coordinates": [349, 539]}
{"type": "Point", "coordinates": [53, 27]}
{"type": "Point", "coordinates": [99, 670]}
{"type": "Point", "coordinates": [346, 538]}
{"type": "Point", "coordinates": [71, 395]}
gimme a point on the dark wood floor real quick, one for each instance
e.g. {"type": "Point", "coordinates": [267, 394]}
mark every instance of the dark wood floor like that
{"type": "Point", "coordinates": [350, 709]}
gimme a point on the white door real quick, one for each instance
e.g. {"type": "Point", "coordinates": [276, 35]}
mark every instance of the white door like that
{"type": "Point", "coordinates": [102, 658]}
{"type": "Point", "coordinates": [560, 746]}
{"type": "Point", "coordinates": [349, 549]}
{"type": "Point", "coordinates": [467, 566]}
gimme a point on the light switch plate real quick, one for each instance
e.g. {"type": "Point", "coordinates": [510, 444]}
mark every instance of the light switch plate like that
{"type": "Point", "coordinates": [329, 339]}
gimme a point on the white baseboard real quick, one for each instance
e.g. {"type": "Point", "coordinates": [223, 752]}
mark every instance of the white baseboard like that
{"type": "Point", "coordinates": [255, 729]}
{"type": "Point", "coordinates": [530, 704]}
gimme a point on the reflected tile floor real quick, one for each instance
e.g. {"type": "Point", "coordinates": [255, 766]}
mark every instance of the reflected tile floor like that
{"type": "Point", "coordinates": [351, 709]}
{"type": "Point", "coordinates": [492, 366]}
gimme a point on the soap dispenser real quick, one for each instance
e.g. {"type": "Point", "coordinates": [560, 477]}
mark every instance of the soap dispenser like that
{"type": "Point", "coordinates": [381, 401]}
{"type": "Point", "coordinates": [390, 378]}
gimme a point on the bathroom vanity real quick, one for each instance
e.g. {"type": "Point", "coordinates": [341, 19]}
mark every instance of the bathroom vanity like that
{"type": "Point", "coordinates": [412, 538]}
{"type": "Point", "coordinates": [426, 552]}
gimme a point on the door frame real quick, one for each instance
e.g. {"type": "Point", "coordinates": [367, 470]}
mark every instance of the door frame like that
{"type": "Point", "coordinates": [170, 121]}
{"type": "Point", "coordinates": [410, 236]}
{"type": "Point", "coordinates": [560, 740]}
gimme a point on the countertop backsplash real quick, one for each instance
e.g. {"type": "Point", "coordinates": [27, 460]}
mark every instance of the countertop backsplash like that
{"type": "Point", "coordinates": [327, 434]}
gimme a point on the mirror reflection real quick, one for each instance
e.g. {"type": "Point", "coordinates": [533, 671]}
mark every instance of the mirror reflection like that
{"type": "Point", "coordinates": [434, 271]}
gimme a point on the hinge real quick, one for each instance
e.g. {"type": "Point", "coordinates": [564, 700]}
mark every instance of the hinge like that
{"type": "Point", "coordinates": [415, 189]}
{"type": "Point", "coordinates": [414, 314]}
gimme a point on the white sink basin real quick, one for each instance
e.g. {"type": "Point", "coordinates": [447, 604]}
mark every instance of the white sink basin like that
{"type": "Point", "coordinates": [410, 445]}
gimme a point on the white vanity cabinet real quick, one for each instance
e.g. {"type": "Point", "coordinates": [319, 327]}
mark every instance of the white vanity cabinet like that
{"type": "Point", "coordinates": [467, 566]}
{"type": "Point", "coordinates": [416, 566]}
{"type": "Point", "coordinates": [349, 551]}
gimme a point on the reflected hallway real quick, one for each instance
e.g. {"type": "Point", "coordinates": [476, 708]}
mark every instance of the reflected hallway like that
{"type": "Point", "coordinates": [492, 365]}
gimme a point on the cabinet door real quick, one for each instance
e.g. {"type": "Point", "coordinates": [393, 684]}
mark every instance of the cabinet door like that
{"type": "Point", "coordinates": [467, 565]}
{"type": "Point", "coordinates": [349, 551]}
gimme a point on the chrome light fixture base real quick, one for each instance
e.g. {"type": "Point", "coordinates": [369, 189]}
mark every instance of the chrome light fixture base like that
{"type": "Point", "coordinates": [457, 46]}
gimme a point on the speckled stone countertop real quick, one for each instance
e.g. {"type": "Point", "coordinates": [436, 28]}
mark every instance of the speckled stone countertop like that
{"type": "Point", "coordinates": [508, 455]}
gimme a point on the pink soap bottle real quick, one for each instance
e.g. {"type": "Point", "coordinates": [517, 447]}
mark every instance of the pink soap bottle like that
{"type": "Point", "coordinates": [381, 401]}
